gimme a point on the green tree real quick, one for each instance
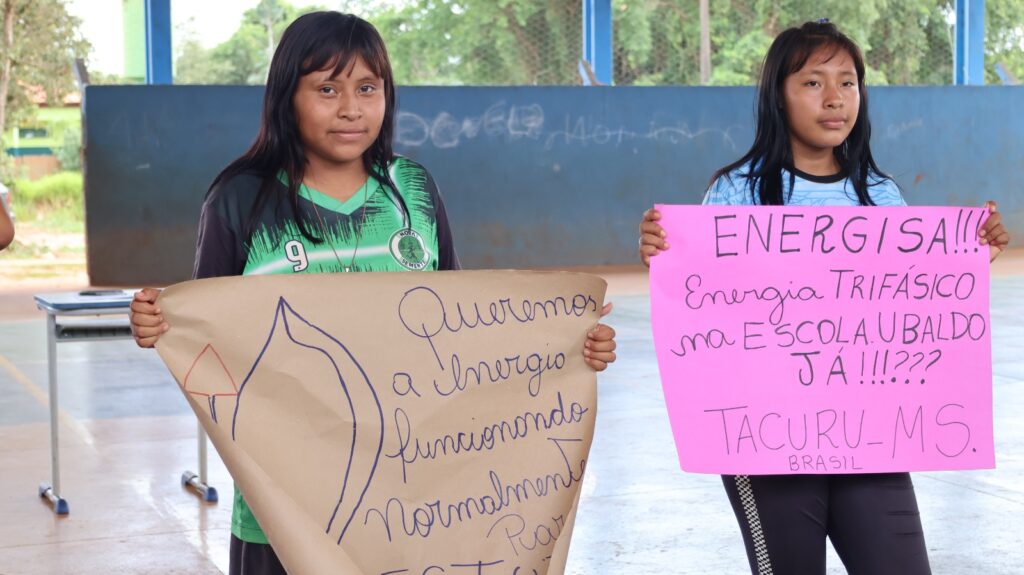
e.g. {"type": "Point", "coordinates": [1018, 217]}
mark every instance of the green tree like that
{"type": "Point", "coordinates": [1004, 38]}
{"type": "Point", "coordinates": [656, 41]}
{"type": "Point", "coordinates": [904, 41]}
{"type": "Point", "coordinates": [526, 42]}
{"type": "Point", "coordinates": [194, 63]}
{"type": "Point", "coordinates": [38, 44]}
{"type": "Point", "coordinates": [70, 153]}
{"type": "Point", "coordinates": [245, 57]}
{"type": "Point", "coordinates": [483, 41]}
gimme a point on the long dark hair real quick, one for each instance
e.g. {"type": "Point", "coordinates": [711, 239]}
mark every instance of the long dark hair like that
{"type": "Point", "coordinates": [771, 151]}
{"type": "Point", "coordinates": [311, 43]}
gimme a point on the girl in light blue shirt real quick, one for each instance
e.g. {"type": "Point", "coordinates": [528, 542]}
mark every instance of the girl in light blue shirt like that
{"type": "Point", "coordinates": [811, 148]}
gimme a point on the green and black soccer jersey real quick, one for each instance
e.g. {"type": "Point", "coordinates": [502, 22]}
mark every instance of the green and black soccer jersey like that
{"type": "Point", "coordinates": [377, 229]}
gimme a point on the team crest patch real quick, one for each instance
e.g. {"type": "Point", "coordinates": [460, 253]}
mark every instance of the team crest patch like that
{"type": "Point", "coordinates": [408, 249]}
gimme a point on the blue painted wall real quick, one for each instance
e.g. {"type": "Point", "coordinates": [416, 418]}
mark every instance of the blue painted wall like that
{"type": "Point", "coordinates": [532, 176]}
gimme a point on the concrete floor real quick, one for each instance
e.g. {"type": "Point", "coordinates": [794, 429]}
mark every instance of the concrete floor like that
{"type": "Point", "coordinates": [128, 435]}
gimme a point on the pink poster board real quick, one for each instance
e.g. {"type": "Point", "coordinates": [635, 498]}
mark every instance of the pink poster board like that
{"type": "Point", "coordinates": [824, 339]}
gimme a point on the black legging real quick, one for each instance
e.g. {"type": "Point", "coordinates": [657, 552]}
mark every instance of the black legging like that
{"type": "Point", "coordinates": [872, 520]}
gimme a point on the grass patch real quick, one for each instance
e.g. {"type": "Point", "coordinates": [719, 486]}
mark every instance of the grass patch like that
{"type": "Point", "coordinates": [54, 203]}
{"type": "Point", "coordinates": [49, 238]}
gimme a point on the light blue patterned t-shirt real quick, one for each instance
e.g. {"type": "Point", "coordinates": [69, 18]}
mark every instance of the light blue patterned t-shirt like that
{"type": "Point", "coordinates": [808, 190]}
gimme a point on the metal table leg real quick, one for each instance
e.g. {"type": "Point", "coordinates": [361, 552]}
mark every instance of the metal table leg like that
{"type": "Point", "coordinates": [198, 482]}
{"type": "Point", "coordinates": [52, 491]}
